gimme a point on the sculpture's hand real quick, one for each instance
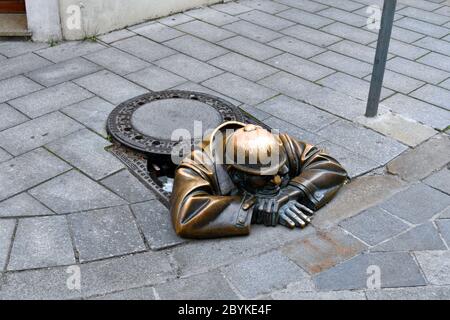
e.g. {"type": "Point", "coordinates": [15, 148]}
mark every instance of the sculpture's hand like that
{"type": "Point", "coordinates": [293, 214]}
{"type": "Point", "coordinates": [265, 211]}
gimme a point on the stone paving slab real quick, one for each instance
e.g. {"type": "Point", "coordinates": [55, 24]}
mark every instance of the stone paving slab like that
{"type": "Point", "coordinates": [145, 293]}
{"type": "Point", "coordinates": [157, 32]}
{"type": "Point", "coordinates": [317, 37]}
{"type": "Point", "coordinates": [304, 5]}
{"type": "Point", "coordinates": [16, 87]}
{"type": "Point", "coordinates": [21, 64]}
{"type": "Point", "coordinates": [436, 60]}
{"type": "Point", "coordinates": [434, 95]}
{"type": "Point", "coordinates": [69, 50]}
{"type": "Point", "coordinates": [23, 205]}
{"type": "Point", "coordinates": [105, 233]}
{"type": "Point", "coordinates": [435, 265]}
{"type": "Point", "coordinates": [398, 82]}
{"type": "Point", "coordinates": [440, 180]}
{"type": "Point", "coordinates": [434, 44]}
{"type": "Point", "coordinates": [176, 19]}
{"type": "Point", "coordinates": [196, 48]}
{"type": "Point", "coordinates": [343, 63]}
{"type": "Point", "coordinates": [422, 27]}
{"type": "Point", "coordinates": [205, 31]}
{"type": "Point", "coordinates": [266, 6]}
{"type": "Point", "coordinates": [416, 70]}
{"type": "Point", "coordinates": [314, 295]}
{"type": "Point", "coordinates": [116, 36]}
{"type": "Point", "coordinates": [15, 48]}
{"type": "Point", "coordinates": [250, 48]}
{"type": "Point", "coordinates": [293, 131]}
{"type": "Point", "coordinates": [305, 18]}
{"type": "Point", "coordinates": [211, 16]}
{"type": "Point", "coordinates": [156, 79]}
{"type": "Point", "coordinates": [7, 227]}
{"type": "Point", "coordinates": [143, 48]}
{"type": "Point", "coordinates": [10, 117]}
{"type": "Point", "coordinates": [4, 156]}
{"type": "Point", "coordinates": [41, 242]}
{"type": "Point", "coordinates": [28, 170]}
{"type": "Point", "coordinates": [413, 293]}
{"type": "Point", "coordinates": [73, 192]}
{"type": "Point", "coordinates": [252, 31]}
{"type": "Point", "coordinates": [405, 50]}
{"type": "Point", "coordinates": [266, 20]}
{"type": "Point", "coordinates": [296, 47]}
{"type": "Point", "coordinates": [444, 229]}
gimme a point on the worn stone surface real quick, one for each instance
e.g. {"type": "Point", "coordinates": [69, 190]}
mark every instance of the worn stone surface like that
{"type": "Point", "coordinates": [128, 187]}
{"type": "Point", "coordinates": [7, 227]}
{"type": "Point", "coordinates": [250, 48]}
{"type": "Point", "coordinates": [435, 265]}
{"type": "Point", "coordinates": [212, 16]}
{"type": "Point", "coordinates": [416, 70]}
{"type": "Point", "coordinates": [69, 50]}
{"type": "Point", "coordinates": [434, 95]}
{"type": "Point", "coordinates": [413, 293]}
{"type": "Point", "coordinates": [252, 31]}
{"type": "Point", "coordinates": [196, 48]}
{"type": "Point", "coordinates": [296, 47]}
{"type": "Point", "coordinates": [116, 36]}
{"type": "Point", "coordinates": [398, 82]}
{"type": "Point", "coordinates": [16, 87]}
{"type": "Point", "coordinates": [294, 131]}
{"type": "Point", "coordinates": [266, 20]}
{"type": "Point", "coordinates": [4, 156]}
{"type": "Point", "coordinates": [157, 32]}
{"type": "Point", "coordinates": [343, 63]}
{"type": "Point", "coordinates": [21, 64]}
{"type": "Point", "coordinates": [10, 117]}
{"type": "Point", "coordinates": [444, 229]}
{"type": "Point", "coordinates": [41, 242]}
{"type": "Point", "coordinates": [23, 205]}
{"type": "Point", "coordinates": [418, 163]}
{"type": "Point", "coordinates": [205, 31]}
{"type": "Point", "coordinates": [156, 79]}
{"type": "Point", "coordinates": [319, 38]}
{"type": "Point", "coordinates": [145, 293]}
{"type": "Point", "coordinates": [440, 180]}
{"type": "Point", "coordinates": [305, 18]}
{"type": "Point", "coordinates": [143, 48]}
{"type": "Point", "coordinates": [321, 295]}
{"type": "Point", "coordinates": [16, 48]}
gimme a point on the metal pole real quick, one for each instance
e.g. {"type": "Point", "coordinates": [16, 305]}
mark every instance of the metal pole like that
{"type": "Point", "coordinates": [384, 36]}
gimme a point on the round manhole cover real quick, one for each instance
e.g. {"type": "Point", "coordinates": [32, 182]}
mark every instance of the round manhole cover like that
{"type": "Point", "coordinates": [147, 123]}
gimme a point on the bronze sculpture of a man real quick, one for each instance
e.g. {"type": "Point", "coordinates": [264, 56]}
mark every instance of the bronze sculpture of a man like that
{"type": "Point", "coordinates": [224, 185]}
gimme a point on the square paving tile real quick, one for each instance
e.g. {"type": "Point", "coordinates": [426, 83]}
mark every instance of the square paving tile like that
{"type": "Point", "coordinates": [435, 265]}
{"type": "Point", "coordinates": [21, 64]}
{"type": "Point", "coordinates": [85, 150]}
{"type": "Point", "coordinates": [250, 48]}
{"type": "Point", "coordinates": [111, 87]}
{"type": "Point", "coordinates": [10, 117]}
{"type": "Point", "coordinates": [73, 192]}
{"type": "Point", "coordinates": [41, 242]}
{"type": "Point", "coordinates": [28, 170]}
{"type": "Point", "coordinates": [37, 132]}
{"type": "Point", "coordinates": [239, 88]}
{"type": "Point", "coordinates": [143, 48]}
{"type": "Point", "coordinates": [374, 226]}
{"type": "Point", "coordinates": [16, 87]}
{"type": "Point", "coordinates": [117, 61]}
{"type": "Point", "coordinates": [158, 32]}
{"type": "Point", "coordinates": [205, 31]}
{"type": "Point", "coordinates": [63, 71]}
{"type": "Point", "coordinates": [69, 50]}
{"type": "Point", "coordinates": [156, 224]}
{"type": "Point", "coordinates": [105, 233]}
{"type": "Point", "coordinates": [253, 31]}
{"type": "Point", "coordinates": [128, 187]}
{"type": "Point", "coordinates": [417, 204]}
{"type": "Point", "coordinates": [51, 99]}
{"type": "Point", "coordinates": [440, 180]}
{"type": "Point", "coordinates": [23, 205]}
{"type": "Point", "coordinates": [156, 79]}
{"type": "Point", "coordinates": [7, 227]}
{"type": "Point", "coordinates": [196, 48]}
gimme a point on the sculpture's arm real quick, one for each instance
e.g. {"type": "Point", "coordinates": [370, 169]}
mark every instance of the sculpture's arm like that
{"type": "Point", "coordinates": [197, 212]}
{"type": "Point", "coordinates": [317, 174]}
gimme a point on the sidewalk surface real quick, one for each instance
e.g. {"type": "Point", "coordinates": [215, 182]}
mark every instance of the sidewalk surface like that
{"type": "Point", "coordinates": [302, 66]}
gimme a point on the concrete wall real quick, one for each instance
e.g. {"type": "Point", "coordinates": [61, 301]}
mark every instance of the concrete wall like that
{"type": "Point", "coordinates": [101, 16]}
{"type": "Point", "coordinates": [43, 19]}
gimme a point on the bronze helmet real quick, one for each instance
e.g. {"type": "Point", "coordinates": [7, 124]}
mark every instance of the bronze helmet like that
{"type": "Point", "coordinates": [254, 150]}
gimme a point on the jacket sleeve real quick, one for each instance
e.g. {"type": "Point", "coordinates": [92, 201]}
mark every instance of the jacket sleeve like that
{"type": "Point", "coordinates": [317, 174]}
{"type": "Point", "coordinates": [198, 211]}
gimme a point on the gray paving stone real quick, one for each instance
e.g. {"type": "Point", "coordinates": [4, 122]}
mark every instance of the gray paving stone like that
{"type": "Point", "coordinates": [342, 4]}
{"type": "Point", "coordinates": [16, 87]}
{"type": "Point", "coordinates": [305, 18]}
{"type": "Point", "coordinates": [145, 293]}
{"type": "Point", "coordinates": [205, 31]}
{"type": "Point", "coordinates": [422, 237]}
{"type": "Point", "coordinates": [73, 192]}
{"type": "Point", "coordinates": [105, 233]}
{"type": "Point", "coordinates": [351, 85]}
{"type": "Point", "coordinates": [196, 48]}
{"type": "Point", "coordinates": [354, 163]}
{"type": "Point", "coordinates": [264, 5]}
{"type": "Point", "coordinates": [422, 27]}
{"type": "Point", "coordinates": [22, 205]}
{"type": "Point", "coordinates": [252, 31]}
{"type": "Point", "coordinates": [425, 5]}
{"type": "Point", "coordinates": [355, 50]}
{"type": "Point", "coordinates": [16, 48]}
{"type": "Point", "coordinates": [418, 110]}
{"type": "Point", "coordinates": [256, 113]}
{"type": "Point", "coordinates": [402, 129]}
{"type": "Point", "coordinates": [319, 38]}
{"type": "Point", "coordinates": [412, 293]}
{"type": "Point", "coordinates": [111, 87]}
{"type": "Point", "coordinates": [356, 196]}
{"type": "Point", "coordinates": [250, 48]}
{"type": "Point", "coordinates": [398, 82]}
{"type": "Point", "coordinates": [300, 67]}
{"type": "Point", "coordinates": [10, 117]}
{"type": "Point", "coordinates": [434, 95]}
{"type": "Point", "coordinates": [69, 50]}
{"type": "Point", "coordinates": [352, 274]}
{"type": "Point", "coordinates": [405, 35]}
{"type": "Point", "coordinates": [318, 295]}
{"type": "Point", "coordinates": [143, 48]}
{"type": "Point", "coordinates": [158, 32]}
{"type": "Point", "coordinates": [292, 130]}
{"type": "Point", "coordinates": [239, 88]}
{"type": "Point", "coordinates": [92, 113]}
{"type": "Point", "coordinates": [37, 132]}
{"type": "Point", "coordinates": [323, 250]}
{"type": "Point", "coordinates": [86, 151]}
{"type": "Point", "coordinates": [206, 286]}
{"type": "Point", "coordinates": [266, 20]}
{"type": "Point", "coordinates": [306, 5]}
{"type": "Point", "coordinates": [435, 45]}
{"type": "Point", "coordinates": [232, 8]}
{"type": "Point", "coordinates": [344, 16]}
{"type": "Point", "coordinates": [21, 64]}
{"type": "Point", "coordinates": [297, 47]}
{"type": "Point", "coordinates": [436, 60]}
{"type": "Point", "coordinates": [444, 229]}
{"type": "Point", "coordinates": [41, 242]}
{"type": "Point", "coordinates": [191, 86]}
{"type": "Point", "coordinates": [51, 99]}
{"type": "Point", "coordinates": [440, 180]}
{"type": "Point", "coordinates": [116, 36]}
{"type": "Point", "coordinates": [423, 160]}
{"type": "Point", "coordinates": [188, 67]}
{"type": "Point", "coordinates": [175, 19]}
{"type": "Point", "coordinates": [262, 274]}
{"type": "Point", "coordinates": [212, 16]}
{"type": "Point", "coordinates": [297, 113]}
{"type": "Point", "coordinates": [363, 141]}
{"type": "Point", "coordinates": [7, 227]}
{"type": "Point", "coordinates": [243, 66]}
{"type": "Point", "coordinates": [374, 226]}
{"type": "Point", "coordinates": [155, 222]}
{"type": "Point", "coordinates": [350, 33]}
{"type": "Point", "coordinates": [63, 71]}
{"type": "Point", "coordinates": [417, 70]}
{"type": "Point", "coordinates": [4, 156]}
{"type": "Point", "coordinates": [435, 265]}
{"type": "Point", "coordinates": [445, 84]}
{"type": "Point", "coordinates": [117, 61]}
{"type": "Point", "coordinates": [444, 10]}
{"type": "Point", "coordinates": [417, 204]}
{"type": "Point", "coordinates": [156, 79]}
{"type": "Point", "coordinates": [128, 187]}
{"type": "Point", "coordinates": [343, 63]}
{"type": "Point", "coordinates": [404, 50]}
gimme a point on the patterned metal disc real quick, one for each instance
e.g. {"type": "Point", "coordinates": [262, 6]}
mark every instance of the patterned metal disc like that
{"type": "Point", "coordinates": [145, 123]}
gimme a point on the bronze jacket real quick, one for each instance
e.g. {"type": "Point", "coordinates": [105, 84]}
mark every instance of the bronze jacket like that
{"type": "Point", "coordinates": [203, 206]}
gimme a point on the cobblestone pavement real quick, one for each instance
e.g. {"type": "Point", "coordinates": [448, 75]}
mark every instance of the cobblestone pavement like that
{"type": "Point", "coordinates": [302, 66]}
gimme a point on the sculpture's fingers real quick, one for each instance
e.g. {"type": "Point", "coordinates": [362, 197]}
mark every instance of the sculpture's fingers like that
{"type": "Point", "coordinates": [300, 214]}
{"type": "Point", "coordinates": [305, 209]}
{"type": "Point", "coordinates": [293, 215]}
{"type": "Point", "coordinates": [274, 212]}
{"type": "Point", "coordinates": [267, 213]}
{"type": "Point", "coordinates": [259, 212]}
{"type": "Point", "coordinates": [286, 221]}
